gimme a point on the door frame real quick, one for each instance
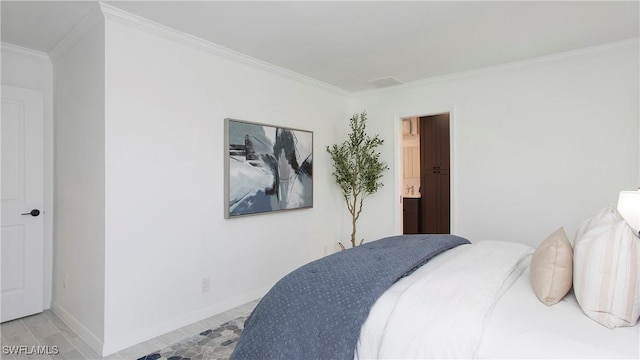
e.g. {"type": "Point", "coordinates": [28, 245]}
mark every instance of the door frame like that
{"type": "Point", "coordinates": [398, 175]}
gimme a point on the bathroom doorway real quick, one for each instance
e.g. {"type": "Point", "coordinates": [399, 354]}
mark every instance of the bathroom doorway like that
{"type": "Point", "coordinates": [426, 174]}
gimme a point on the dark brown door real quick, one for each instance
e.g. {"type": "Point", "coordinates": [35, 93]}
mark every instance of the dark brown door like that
{"type": "Point", "coordinates": [435, 174]}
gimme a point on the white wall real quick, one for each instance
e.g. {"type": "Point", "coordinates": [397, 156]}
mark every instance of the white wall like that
{"type": "Point", "coordinates": [30, 69]}
{"type": "Point", "coordinates": [165, 227]}
{"type": "Point", "coordinates": [79, 186]}
{"type": "Point", "coordinates": [535, 145]}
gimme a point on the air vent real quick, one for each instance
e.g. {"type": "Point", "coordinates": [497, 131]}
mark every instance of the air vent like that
{"type": "Point", "coordinates": [384, 82]}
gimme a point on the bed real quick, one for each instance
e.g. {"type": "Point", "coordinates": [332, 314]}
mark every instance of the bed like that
{"type": "Point", "coordinates": [459, 300]}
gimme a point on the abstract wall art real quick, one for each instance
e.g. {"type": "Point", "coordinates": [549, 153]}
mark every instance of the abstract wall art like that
{"type": "Point", "coordinates": [267, 168]}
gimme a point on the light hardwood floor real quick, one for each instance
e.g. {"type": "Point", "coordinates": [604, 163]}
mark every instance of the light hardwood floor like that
{"type": "Point", "coordinates": [47, 330]}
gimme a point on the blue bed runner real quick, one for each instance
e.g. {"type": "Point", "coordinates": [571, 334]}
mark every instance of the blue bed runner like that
{"type": "Point", "coordinates": [316, 311]}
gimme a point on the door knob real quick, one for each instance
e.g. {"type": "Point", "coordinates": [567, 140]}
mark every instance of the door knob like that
{"type": "Point", "coordinates": [34, 212]}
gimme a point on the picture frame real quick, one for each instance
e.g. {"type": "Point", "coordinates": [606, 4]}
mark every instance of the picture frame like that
{"type": "Point", "coordinates": [268, 168]}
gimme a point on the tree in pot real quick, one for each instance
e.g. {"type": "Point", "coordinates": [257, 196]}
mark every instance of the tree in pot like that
{"type": "Point", "coordinates": [357, 168]}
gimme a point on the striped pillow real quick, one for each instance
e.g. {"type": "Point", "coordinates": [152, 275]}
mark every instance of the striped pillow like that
{"type": "Point", "coordinates": [606, 272]}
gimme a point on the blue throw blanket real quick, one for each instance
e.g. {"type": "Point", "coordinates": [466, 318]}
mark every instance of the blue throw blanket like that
{"type": "Point", "coordinates": [316, 311]}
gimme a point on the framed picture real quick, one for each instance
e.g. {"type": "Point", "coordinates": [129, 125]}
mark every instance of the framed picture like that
{"type": "Point", "coordinates": [267, 168]}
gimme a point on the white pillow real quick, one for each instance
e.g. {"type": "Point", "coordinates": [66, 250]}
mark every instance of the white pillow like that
{"type": "Point", "coordinates": [606, 269]}
{"type": "Point", "coordinates": [552, 268]}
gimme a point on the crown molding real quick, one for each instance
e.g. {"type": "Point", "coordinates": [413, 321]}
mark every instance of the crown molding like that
{"type": "Point", "coordinates": [120, 16]}
{"type": "Point", "coordinates": [91, 19]}
{"type": "Point", "coordinates": [5, 46]}
{"type": "Point", "coordinates": [537, 61]}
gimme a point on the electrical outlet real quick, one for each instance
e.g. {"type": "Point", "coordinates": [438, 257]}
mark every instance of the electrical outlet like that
{"type": "Point", "coordinates": [204, 285]}
{"type": "Point", "coordinates": [65, 282]}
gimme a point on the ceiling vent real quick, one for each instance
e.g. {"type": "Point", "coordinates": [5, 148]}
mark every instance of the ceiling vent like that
{"type": "Point", "coordinates": [384, 82]}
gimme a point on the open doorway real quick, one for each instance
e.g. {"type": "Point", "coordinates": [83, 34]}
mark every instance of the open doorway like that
{"type": "Point", "coordinates": [426, 174]}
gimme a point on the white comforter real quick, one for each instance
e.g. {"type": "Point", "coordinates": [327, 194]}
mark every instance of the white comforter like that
{"type": "Point", "coordinates": [440, 311]}
{"type": "Point", "coordinates": [453, 307]}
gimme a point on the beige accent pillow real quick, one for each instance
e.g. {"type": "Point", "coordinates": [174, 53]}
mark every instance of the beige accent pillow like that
{"type": "Point", "coordinates": [606, 273]}
{"type": "Point", "coordinates": [552, 268]}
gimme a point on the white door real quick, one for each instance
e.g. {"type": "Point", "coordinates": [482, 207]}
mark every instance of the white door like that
{"type": "Point", "coordinates": [22, 187]}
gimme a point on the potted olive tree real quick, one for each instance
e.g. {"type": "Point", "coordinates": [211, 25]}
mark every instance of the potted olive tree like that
{"type": "Point", "coordinates": [357, 168]}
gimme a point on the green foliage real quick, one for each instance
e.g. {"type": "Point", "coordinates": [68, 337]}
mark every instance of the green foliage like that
{"type": "Point", "coordinates": [357, 167]}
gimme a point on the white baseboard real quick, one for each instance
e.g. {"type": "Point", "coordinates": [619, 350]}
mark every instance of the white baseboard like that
{"type": "Point", "coordinates": [90, 338]}
{"type": "Point", "coordinates": [127, 340]}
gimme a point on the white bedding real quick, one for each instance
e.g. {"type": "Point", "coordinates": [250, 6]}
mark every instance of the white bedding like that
{"type": "Point", "coordinates": [476, 301]}
{"type": "Point", "coordinates": [523, 327]}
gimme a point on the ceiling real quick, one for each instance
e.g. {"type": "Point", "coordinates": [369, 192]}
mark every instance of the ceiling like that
{"type": "Point", "coordinates": [347, 44]}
